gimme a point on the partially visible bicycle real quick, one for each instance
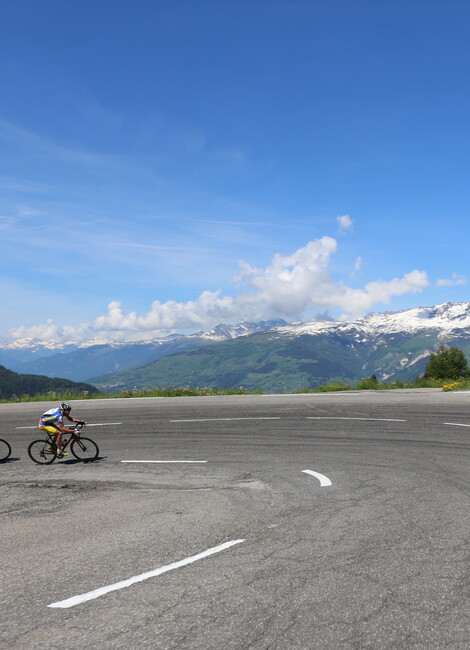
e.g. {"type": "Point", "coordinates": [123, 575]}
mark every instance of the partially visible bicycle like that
{"type": "Point", "coordinates": [44, 452]}
{"type": "Point", "coordinates": [5, 450]}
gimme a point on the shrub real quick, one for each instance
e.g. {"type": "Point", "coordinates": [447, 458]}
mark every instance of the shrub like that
{"type": "Point", "coordinates": [368, 384]}
{"type": "Point", "coordinates": [329, 388]}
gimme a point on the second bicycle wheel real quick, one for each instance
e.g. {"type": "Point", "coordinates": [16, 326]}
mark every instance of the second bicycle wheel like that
{"type": "Point", "coordinates": [84, 449]}
{"type": "Point", "coordinates": [5, 450]}
{"type": "Point", "coordinates": [42, 452]}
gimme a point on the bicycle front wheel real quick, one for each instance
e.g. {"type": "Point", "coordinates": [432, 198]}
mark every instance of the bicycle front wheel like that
{"type": "Point", "coordinates": [84, 449]}
{"type": "Point", "coordinates": [5, 450]}
{"type": "Point", "coordinates": [42, 452]}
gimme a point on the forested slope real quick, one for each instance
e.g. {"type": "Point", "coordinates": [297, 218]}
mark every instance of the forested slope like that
{"type": "Point", "coordinates": [12, 383]}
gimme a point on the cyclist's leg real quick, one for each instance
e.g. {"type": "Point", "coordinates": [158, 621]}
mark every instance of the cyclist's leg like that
{"type": "Point", "coordinates": [53, 431]}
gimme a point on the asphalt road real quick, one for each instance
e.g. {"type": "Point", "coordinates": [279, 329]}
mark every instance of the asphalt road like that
{"type": "Point", "coordinates": [242, 548]}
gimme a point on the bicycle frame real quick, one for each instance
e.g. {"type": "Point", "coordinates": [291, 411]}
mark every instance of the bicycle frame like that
{"type": "Point", "coordinates": [75, 435]}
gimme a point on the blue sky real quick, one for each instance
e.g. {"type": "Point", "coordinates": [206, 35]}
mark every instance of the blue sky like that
{"type": "Point", "coordinates": [169, 165]}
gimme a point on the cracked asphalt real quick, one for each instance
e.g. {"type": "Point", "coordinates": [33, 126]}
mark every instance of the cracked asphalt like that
{"type": "Point", "coordinates": [379, 559]}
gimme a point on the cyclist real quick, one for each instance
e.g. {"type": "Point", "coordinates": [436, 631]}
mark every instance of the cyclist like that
{"type": "Point", "coordinates": [52, 422]}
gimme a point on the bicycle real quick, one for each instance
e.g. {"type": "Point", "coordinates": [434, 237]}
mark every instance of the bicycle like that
{"type": "Point", "coordinates": [5, 450]}
{"type": "Point", "coordinates": [44, 452]}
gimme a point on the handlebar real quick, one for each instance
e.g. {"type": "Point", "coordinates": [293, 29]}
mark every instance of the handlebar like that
{"type": "Point", "coordinates": [77, 426]}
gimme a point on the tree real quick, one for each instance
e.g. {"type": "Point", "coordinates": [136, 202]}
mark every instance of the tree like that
{"type": "Point", "coordinates": [447, 363]}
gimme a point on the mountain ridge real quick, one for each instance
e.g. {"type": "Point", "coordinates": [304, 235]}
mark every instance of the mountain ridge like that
{"type": "Point", "coordinates": [270, 355]}
{"type": "Point", "coordinates": [392, 346]}
{"type": "Point", "coordinates": [80, 362]}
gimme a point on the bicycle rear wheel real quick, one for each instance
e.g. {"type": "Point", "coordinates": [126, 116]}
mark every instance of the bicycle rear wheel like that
{"type": "Point", "coordinates": [84, 449]}
{"type": "Point", "coordinates": [5, 450]}
{"type": "Point", "coordinates": [42, 452]}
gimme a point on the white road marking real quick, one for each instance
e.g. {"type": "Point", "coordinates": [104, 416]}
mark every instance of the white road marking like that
{"type": "Point", "coordinates": [223, 419]}
{"type": "Point", "coordinates": [336, 393]}
{"type": "Point", "coordinates": [342, 418]}
{"type": "Point", "coordinates": [324, 480]}
{"type": "Point", "coordinates": [101, 424]}
{"type": "Point", "coordinates": [163, 461]}
{"type": "Point", "coordinates": [82, 598]}
{"type": "Point", "coordinates": [456, 424]}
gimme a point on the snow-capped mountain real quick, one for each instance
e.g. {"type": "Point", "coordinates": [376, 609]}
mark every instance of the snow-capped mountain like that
{"type": "Point", "coordinates": [392, 346]}
{"type": "Point", "coordinates": [272, 355]}
{"type": "Point", "coordinates": [411, 335]}
{"type": "Point", "coordinates": [80, 361]}
{"type": "Point", "coordinates": [221, 332]}
{"type": "Point", "coordinates": [443, 318]}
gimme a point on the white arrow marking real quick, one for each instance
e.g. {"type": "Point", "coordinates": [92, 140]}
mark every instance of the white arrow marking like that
{"type": "Point", "coordinates": [324, 480]}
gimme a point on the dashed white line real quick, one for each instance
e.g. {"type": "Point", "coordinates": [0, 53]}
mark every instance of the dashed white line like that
{"type": "Point", "coordinates": [324, 480]}
{"type": "Point", "coordinates": [224, 419]}
{"type": "Point", "coordinates": [101, 424]}
{"type": "Point", "coordinates": [90, 595]}
{"type": "Point", "coordinates": [336, 393]}
{"type": "Point", "coordinates": [321, 417]}
{"type": "Point", "coordinates": [456, 424]}
{"type": "Point", "coordinates": [163, 461]}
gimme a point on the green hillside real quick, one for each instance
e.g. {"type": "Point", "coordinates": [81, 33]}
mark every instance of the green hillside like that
{"type": "Point", "coordinates": [273, 363]}
{"type": "Point", "coordinates": [260, 361]}
{"type": "Point", "coordinates": [12, 383]}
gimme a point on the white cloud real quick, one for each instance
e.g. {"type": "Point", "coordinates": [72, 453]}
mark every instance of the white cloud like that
{"type": "Point", "coordinates": [345, 222]}
{"type": "Point", "coordinates": [288, 288]}
{"type": "Point", "coordinates": [452, 282]}
{"type": "Point", "coordinates": [358, 264]}
{"type": "Point", "coordinates": [44, 332]}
